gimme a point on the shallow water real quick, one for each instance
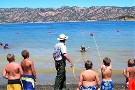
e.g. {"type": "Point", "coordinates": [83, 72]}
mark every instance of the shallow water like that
{"type": "Point", "coordinates": [40, 38]}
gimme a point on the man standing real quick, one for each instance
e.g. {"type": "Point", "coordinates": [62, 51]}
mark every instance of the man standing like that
{"type": "Point", "coordinates": [60, 56]}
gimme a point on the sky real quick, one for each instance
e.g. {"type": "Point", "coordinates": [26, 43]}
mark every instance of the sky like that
{"type": "Point", "coordinates": [60, 3]}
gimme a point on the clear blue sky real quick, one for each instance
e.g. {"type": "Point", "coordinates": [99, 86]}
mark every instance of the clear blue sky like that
{"type": "Point", "coordinates": [59, 3]}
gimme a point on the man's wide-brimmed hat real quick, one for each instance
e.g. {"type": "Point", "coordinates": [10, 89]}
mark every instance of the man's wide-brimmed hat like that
{"type": "Point", "coordinates": [62, 37]}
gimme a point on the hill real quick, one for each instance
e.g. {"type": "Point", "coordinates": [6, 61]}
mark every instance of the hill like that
{"type": "Point", "coordinates": [65, 13]}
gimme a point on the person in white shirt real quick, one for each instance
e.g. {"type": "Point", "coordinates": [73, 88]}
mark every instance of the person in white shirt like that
{"type": "Point", "coordinates": [60, 56]}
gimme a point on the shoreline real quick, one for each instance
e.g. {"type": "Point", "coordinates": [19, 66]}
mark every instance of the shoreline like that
{"type": "Point", "coordinates": [69, 87]}
{"type": "Point", "coordinates": [48, 78]}
{"type": "Point", "coordinates": [71, 21]}
{"type": "Point", "coordinates": [47, 84]}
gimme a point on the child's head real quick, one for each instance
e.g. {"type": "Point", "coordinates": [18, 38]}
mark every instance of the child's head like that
{"type": "Point", "coordinates": [25, 54]}
{"type": "Point", "coordinates": [107, 61]}
{"type": "Point", "coordinates": [88, 65]}
{"type": "Point", "coordinates": [131, 63]}
{"type": "Point", "coordinates": [10, 58]}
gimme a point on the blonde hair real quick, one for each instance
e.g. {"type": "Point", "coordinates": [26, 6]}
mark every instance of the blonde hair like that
{"type": "Point", "coordinates": [10, 57]}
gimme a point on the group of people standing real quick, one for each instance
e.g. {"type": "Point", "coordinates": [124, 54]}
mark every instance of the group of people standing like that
{"type": "Point", "coordinates": [20, 76]}
{"type": "Point", "coordinates": [88, 79]}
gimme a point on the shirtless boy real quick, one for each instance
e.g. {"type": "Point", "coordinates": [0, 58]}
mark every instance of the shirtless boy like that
{"type": "Point", "coordinates": [106, 71]}
{"type": "Point", "coordinates": [89, 79]}
{"type": "Point", "coordinates": [129, 73]}
{"type": "Point", "coordinates": [13, 72]}
{"type": "Point", "coordinates": [130, 64]}
{"type": "Point", "coordinates": [29, 76]}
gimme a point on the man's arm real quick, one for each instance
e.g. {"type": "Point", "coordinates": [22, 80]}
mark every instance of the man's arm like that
{"type": "Point", "coordinates": [54, 56]}
{"type": "Point", "coordinates": [68, 58]}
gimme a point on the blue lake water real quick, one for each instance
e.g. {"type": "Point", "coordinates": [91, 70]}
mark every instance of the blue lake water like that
{"type": "Point", "coordinates": [40, 38]}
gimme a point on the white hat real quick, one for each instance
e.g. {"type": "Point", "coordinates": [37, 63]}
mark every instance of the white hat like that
{"type": "Point", "coordinates": [62, 37]}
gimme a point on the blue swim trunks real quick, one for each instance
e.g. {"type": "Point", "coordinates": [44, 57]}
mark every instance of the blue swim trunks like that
{"type": "Point", "coordinates": [107, 85]}
{"type": "Point", "coordinates": [88, 88]}
{"type": "Point", "coordinates": [28, 82]}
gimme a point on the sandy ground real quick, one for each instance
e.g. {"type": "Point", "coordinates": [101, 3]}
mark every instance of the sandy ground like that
{"type": "Point", "coordinates": [69, 87]}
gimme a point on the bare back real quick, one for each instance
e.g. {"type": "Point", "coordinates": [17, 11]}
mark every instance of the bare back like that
{"type": "Point", "coordinates": [12, 71]}
{"type": "Point", "coordinates": [131, 72]}
{"type": "Point", "coordinates": [27, 66]}
{"type": "Point", "coordinates": [106, 73]}
{"type": "Point", "coordinates": [89, 78]}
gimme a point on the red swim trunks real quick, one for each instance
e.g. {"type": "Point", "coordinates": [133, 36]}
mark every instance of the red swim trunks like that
{"type": "Point", "coordinates": [131, 85]}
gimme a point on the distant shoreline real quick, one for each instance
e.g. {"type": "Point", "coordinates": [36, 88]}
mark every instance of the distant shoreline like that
{"type": "Point", "coordinates": [71, 21]}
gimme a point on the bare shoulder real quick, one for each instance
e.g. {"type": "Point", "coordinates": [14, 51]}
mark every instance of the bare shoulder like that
{"type": "Point", "coordinates": [110, 67]}
{"type": "Point", "coordinates": [130, 69]}
{"type": "Point", "coordinates": [94, 72]}
{"type": "Point", "coordinates": [17, 64]}
{"type": "Point", "coordinates": [31, 61]}
{"type": "Point", "coordinates": [88, 72]}
{"type": "Point", "coordinates": [104, 68]}
{"type": "Point", "coordinates": [26, 62]}
{"type": "Point", "coordinates": [5, 67]}
{"type": "Point", "coordinates": [82, 72]}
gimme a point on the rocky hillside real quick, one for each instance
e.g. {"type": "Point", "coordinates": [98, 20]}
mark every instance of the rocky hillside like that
{"type": "Point", "coordinates": [65, 13]}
